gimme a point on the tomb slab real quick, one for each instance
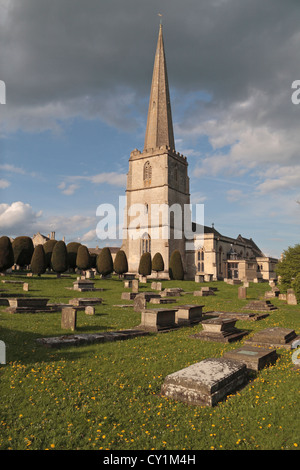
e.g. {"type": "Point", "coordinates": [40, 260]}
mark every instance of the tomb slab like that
{"type": "Point", "coordinates": [205, 383]}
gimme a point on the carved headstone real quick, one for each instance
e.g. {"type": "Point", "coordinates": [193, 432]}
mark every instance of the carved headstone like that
{"type": "Point", "coordinates": [89, 310]}
{"type": "Point", "coordinates": [242, 292]}
{"type": "Point", "coordinates": [68, 318]}
{"type": "Point", "coordinates": [135, 286]}
{"type": "Point", "coordinates": [291, 298]}
{"type": "Point", "coordinates": [139, 303]}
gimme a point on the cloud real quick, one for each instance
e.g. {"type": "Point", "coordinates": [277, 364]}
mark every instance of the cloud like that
{"type": "Point", "coordinates": [11, 169]}
{"type": "Point", "coordinates": [4, 184]}
{"type": "Point", "coordinates": [70, 185]}
{"type": "Point", "coordinates": [20, 218]}
{"type": "Point", "coordinates": [89, 236]}
{"type": "Point", "coordinates": [17, 218]}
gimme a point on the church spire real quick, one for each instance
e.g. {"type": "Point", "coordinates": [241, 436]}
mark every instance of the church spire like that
{"type": "Point", "coordinates": [159, 131]}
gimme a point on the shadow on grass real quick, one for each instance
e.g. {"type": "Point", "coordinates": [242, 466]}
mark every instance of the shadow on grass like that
{"type": "Point", "coordinates": [22, 346]}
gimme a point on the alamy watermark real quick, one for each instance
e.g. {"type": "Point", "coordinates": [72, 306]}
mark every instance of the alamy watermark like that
{"type": "Point", "coordinates": [158, 221]}
{"type": "Point", "coordinates": [2, 352]}
{"type": "Point", "coordinates": [296, 353]}
{"type": "Point", "coordinates": [296, 95]}
{"type": "Point", "coordinates": [2, 92]}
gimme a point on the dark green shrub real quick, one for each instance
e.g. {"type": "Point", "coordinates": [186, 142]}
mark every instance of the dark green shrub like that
{"type": "Point", "coordinates": [48, 249]}
{"type": "Point", "coordinates": [93, 258]}
{"type": "Point", "coordinates": [120, 263]}
{"type": "Point", "coordinates": [158, 263]}
{"type": "Point", "coordinates": [83, 259]}
{"type": "Point", "coordinates": [23, 250]}
{"type": "Point", "coordinates": [6, 254]}
{"type": "Point", "coordinates": [59, 259]}
{"type": "Point", "coordinates": [145, 266]}
{"type": "Point", "coordinates": [38, 261]}
{"type": "Point", "coordinates": [104, 263]}
{"type": "Point", "coordinates": [176, 268]}
{"type": "Point", "coordinates": [289, 266]}
{"type": "Point", "coordinates": [72, 249]}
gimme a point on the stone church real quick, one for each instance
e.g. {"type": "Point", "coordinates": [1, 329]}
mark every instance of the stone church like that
{"type": "Point", "coordinates": [158, 179]}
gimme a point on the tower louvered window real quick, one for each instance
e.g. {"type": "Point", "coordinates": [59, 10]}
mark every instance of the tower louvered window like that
{"type": "Point", "coordinates": [147, 173]}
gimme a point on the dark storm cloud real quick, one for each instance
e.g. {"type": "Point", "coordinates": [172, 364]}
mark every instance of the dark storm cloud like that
{"type": "Point", "coordinates": [95, 58]}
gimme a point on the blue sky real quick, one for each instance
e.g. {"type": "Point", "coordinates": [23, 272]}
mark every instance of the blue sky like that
{"type": "Point", "coordinates": [77, 88]}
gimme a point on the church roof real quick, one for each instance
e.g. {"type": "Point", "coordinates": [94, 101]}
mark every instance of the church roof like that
{"type": "Point", "coordinates": [159, 130]}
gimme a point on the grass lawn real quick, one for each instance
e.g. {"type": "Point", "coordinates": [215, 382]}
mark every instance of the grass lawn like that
{"type": "Point", "coordinates": [107, 396]}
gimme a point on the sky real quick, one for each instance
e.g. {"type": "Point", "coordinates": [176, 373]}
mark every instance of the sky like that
{"type": "Point", "coordinates": [77, 78]}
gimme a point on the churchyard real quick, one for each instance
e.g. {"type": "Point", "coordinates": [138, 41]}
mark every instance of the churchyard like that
{"type": "Point", "coordinates": [107, 393]}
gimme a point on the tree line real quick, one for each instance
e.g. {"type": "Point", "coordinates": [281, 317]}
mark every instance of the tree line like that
{"type": "Point", "coordinates": [57, 256]}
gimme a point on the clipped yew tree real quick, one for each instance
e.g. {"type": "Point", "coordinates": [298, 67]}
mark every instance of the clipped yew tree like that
{"type": "Point", "coordinates": [59, 258]}
{"type": "Point", "coordinates": [38, 261]}
{"type": "Point", "coordinates": [72, 249]}
{"type": "Point", "coordinates": [176, 267]}
{"type": "Point", "coordinates": [23, 250]}
{"type": "Point", "coordinates": [6, 254]}
{"type": "Point", "coordinates": [83, 259]}
{"type": "Point", "coordinates": [158, 263]}
{"type": "Point", "coordinates": [145, 266]}
{"type": "Point", "coordinates": [48, 249]}
{"type": "Point", "coordinates": [120, 263]}
{"type": "Point", "coordinates": [104, 263]}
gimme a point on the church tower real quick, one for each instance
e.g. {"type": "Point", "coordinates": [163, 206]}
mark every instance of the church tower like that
{"type": "Point", "coordinates": [157, 193]}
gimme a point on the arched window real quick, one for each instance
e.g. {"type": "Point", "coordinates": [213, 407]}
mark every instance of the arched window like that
{"type": "Point", "coordinates": [146, 243]}
{"type": "Point", "coordinates": [147, 173]}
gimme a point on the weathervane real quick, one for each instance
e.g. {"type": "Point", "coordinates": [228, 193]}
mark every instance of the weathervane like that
{"type": "Point", "coordinates": [160, 21]}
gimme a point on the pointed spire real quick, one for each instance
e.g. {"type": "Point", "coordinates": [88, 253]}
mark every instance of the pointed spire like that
{"type": "Point", "coordinates": [159, 131]}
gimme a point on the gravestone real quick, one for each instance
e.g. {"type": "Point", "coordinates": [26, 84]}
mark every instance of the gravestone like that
{"type": "Point", "coordinates": [171, 292]}
{"type": "Point", "coordinates": [127, 284]}
{"type": "Point", "coordinates": [242, 292]}
{"type": "Point", "coordinates": [68, 318]}
{"type": "Point", "coordinates": [159, 300]}
{"type": "Point", "coordinates": [89, 310]}
{"type": "Point", "coordinates": [28, 304]}
{"type": "Point", "coordinates": [139, 303]}
{"type": "Point", "coordinates": [275, 337]}
{"type": "Point", "coordinates": [205, 383]}
{"type": "Point", "coordinates": [26, 286]}
{"type": "Point", "coordinates": [90, 274]}
{"type": "Point", "coordinates": [129, 276]}
{"type": "Point", "coordinates": [205, 291]}
{"type": "Point", "coordinates": [156, 286]}
{"type": "Point", "coordinates": [253, 357]}
{"type": "Point", "coordinates": [220, 330]}
{"type": "Point", "coordinates": [84, 301]}
{"type": "Point", "coordinates": [251, 316]}
{"type": "Point", "coordinates": [291, 297]}
{"type": "Point", "coordinates": [128, 295]}
{"type": "Point", "coordinates": [272, 293]}
{"type": "Point", "coordinates": [135, 286]}
{"type": "Point", "coordinates": [264, 305]}
{"type": "Point", "coordinates": [188, 314]}
{"type": "Point", "coordinates": [158, 319]}
{"type": "Point", "coordinates": [83, 285]}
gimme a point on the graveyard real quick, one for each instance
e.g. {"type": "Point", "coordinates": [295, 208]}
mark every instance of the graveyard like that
{"type": "Point", "coordinates": [160, 368]}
